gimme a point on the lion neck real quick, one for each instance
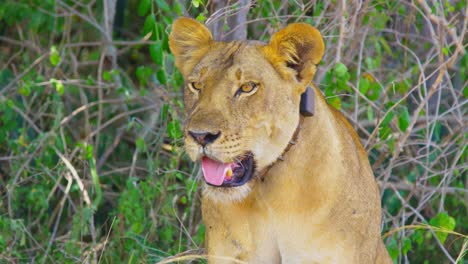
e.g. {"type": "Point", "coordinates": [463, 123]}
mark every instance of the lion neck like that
{"type": "Point", "coordinates": [313, 155]}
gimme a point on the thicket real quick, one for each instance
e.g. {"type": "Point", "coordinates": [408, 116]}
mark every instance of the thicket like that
{"type": "Point", "coordinates": [92, 167]}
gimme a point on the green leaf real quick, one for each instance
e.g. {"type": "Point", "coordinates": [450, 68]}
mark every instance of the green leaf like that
{"type": "Point", "coordinates": [385, 46]}
{"type": "Point", "coordinates": [89, 151]}
{"type": "Point", "coordinates": [178, 80]}
{"type": "Point", "coordinates": [406, 245]}
{"type": "Point", "coordinates": [143, 7]}
{"type": "Point", "coordinates": [437, 131]}
{"type": "Point", "coordinates": [391, 144]}
{"type": "Point", "coordinates": [161, 75]}
{"type": "Point", "coordinates": [403, 86]}
{"type": "Point", "coordinates": [148, 26]}
{"type": "Point", "coordinates": [87, 213]}
{"type": "Point", "coordinates": [388, 118]}
{"type": "Point", "coordinates": [444, 221]}
{"type": "Point", "coordinates": [335, 102]}
{"type": "Point", "coordinates": [96, 183]}
{"type": "Point", "coordinates": [392, 248]}
{"type": "Point", "coordinates": [445, 51]}
{"type": "Point", "coordinates": [196, 3]}
{"type": "Point", "coordinates": [371, 64]}
{"type": "Point", "coordinates": [25, 89]}
{"type": "Point", "coordinates": [156, 53]}
{"type": "Point", "coordinates": [5, 77]}
{"type": "Point", "coordinates": [340, 70]}
{"type": "Point", "coordinates": [166, 234]}
{"type": "Point", "coordinates": [143, 73]}
{"type": "Point", "coordinates": [137, 227]}
{"type": "Point", "coordinates": [404, 119]}
{"type": "Point", "coordinates": [380, 21]}
{"type": "Point", "coordinates": [107, 76]}
{"type": "Point", "coordinates": [10, 103]}
{"type": "Point", "coordinates": [54, 56]}
{"type": "Point", "coordinates": [58, 85]}
{"type": "Point", "coordinates": [412, 176]}
{"type": "Point", "coordinates": [179, 176]}
{"type": "Point", "coordinates": [164, 112]}
{"type": "Point", "coordinates": [418, 236]}
{"type": "Point", "coordinates": [385, 132]}
{"type": "Point", "coordinates": [89, 80]}
{"type": "Point", "coordinates": [140, 144]}
{"type": "Point", "coordinates": [364, 85]}
{"type": "Point", "coordinates": [164, 38]}
{"type": "Point", "coordinates": [201, 18]}
{"type": "Point", "coordinates": [374, 91]}
{"type": "Point", "coordinates": [370, 113]}
{"type": "Point", "coordinates": [163, 6]}
{"type": "Point", "coordinates": [178, 8]}
{"type": "Point", "coordinates": [342, 84]}
{"type": "Point", "coordinates": [173, 129]}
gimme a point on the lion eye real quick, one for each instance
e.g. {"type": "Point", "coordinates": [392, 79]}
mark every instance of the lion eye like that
{"type": "Point", "coordinates": [247, 87]}
{"type": "Point", "coordinates": [196, 86]}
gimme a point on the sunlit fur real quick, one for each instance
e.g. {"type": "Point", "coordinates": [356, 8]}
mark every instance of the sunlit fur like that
{"type": "Point", "coordinates": [321, 204]}
{"type": "Point", "coordinates": [299, 45]}
{"type": "Point", "coordinates": [189, 42]}
{"type": "Point", "coordinates": [227, 195]}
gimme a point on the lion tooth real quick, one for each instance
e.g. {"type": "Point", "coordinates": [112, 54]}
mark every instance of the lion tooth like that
{"type": "Point", "coordinates": [292, 142]}
{"type": "Point", "coordinates": [228, 174]}
{"type": "Point", "coordinates": [281, 158]}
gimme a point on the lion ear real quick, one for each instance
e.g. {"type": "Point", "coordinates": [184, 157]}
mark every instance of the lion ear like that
{"type": "Point", "coordinates": [295, 51]}
{"type": "Point", "coordinates": [189, 41]}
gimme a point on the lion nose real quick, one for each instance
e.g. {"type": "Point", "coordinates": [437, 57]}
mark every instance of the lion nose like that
{"type": "Point", "coordinates": [204, 138]}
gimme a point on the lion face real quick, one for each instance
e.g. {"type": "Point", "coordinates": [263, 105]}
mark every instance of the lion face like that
{"type": "Point", "coordinates": [242, 100]}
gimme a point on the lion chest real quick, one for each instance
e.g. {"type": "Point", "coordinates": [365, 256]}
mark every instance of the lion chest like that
{"type": "Point", "coordinates": [257, 234]}
{"type": "Point", "coordinates": [262, 238]}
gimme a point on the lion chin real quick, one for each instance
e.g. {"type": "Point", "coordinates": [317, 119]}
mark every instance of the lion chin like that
{"type": "Point", "coordinates": [227, 195]}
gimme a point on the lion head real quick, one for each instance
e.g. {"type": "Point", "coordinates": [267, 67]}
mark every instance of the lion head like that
{"type": "Point", "coordinates": [242, 100]}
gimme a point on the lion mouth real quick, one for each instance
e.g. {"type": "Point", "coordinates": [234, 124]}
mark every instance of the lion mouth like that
{"type": "Point", "coordinates": [231, 174]}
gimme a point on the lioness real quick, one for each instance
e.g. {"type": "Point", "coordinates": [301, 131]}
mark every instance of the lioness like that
{"type": "Point", "coordinates": [280, 188]}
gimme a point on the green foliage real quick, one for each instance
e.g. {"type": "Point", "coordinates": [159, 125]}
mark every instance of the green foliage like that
{"type": "Point", "coordinates": [92, 167]}
{"type": "Point", "coordinates": [445, 222]}
{"type": "Point", "coordinates": [54, 56]}
{"type": "Point", "coordinates": [58, 85]}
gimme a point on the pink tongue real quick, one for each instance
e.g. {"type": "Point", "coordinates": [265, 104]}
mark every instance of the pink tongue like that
{"type": "Point", "coordinates": [214, 171]}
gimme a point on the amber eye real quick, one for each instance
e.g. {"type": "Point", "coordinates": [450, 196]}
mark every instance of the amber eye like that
{"type": "Point", "coordinates": [247, 87]}
{"type": "Point", "coordinates": [196, 86]}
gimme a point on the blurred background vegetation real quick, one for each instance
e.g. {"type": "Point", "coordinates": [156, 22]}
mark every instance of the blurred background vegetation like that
{"type": "Point", "coordinates": [92, 167]}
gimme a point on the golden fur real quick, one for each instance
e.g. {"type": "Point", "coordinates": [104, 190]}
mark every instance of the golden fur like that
{"type": "Point", "coordinates": [321, 204]}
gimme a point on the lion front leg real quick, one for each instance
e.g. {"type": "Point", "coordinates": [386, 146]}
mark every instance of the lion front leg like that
{"type": "Point", "coordinates": [234, 236]}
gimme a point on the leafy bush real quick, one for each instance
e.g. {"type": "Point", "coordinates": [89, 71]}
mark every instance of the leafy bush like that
{"type": "Point", "coordinates": [92, 167]}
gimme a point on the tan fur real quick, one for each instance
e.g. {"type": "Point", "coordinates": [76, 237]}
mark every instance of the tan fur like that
{"type": "Point", "coordinates": [321, 204]}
